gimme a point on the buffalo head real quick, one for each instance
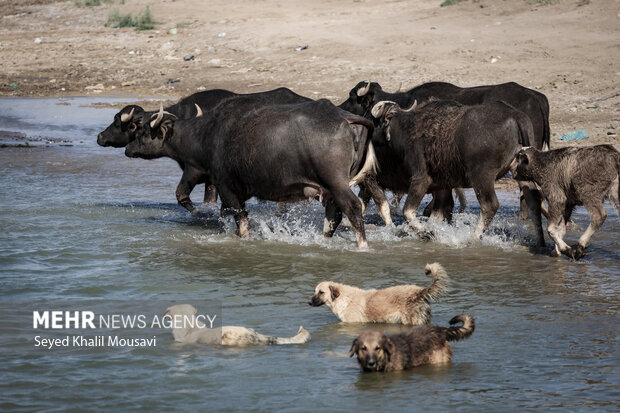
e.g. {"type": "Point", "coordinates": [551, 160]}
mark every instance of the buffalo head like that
{"type": "Point", "coordinates": [361, 98]}
{"type": "Point", "coordinates": [124, 129]}
{"type": "Point", "coordinates": [383, 112]}
{"type": "Point", "coordinates": [522, 171]}
{"type": "Point", "coordinates": [149, 142]}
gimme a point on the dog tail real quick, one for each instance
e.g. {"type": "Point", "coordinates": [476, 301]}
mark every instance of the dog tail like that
{"type": "Point", "coordinates": [301, 337]}
{"type": "Point", "coordinates": [464, 331]}
{"type": "Point", "coordinates": [439, 285]}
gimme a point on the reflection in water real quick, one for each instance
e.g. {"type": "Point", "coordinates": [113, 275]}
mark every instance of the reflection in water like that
{"type": "Point", "coordinates": [84, 221]}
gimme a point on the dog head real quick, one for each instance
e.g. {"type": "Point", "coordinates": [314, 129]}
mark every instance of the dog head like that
{"type": "Point", "coordinates": [325, 293]}
{"type": "Point", "coordinates": [182, 317]}
{"type": "Point", "coordinates": [373, 350]}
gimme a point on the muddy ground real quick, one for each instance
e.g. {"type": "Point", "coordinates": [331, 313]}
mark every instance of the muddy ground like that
{"type": "Point", "coordinates": [567, 49]}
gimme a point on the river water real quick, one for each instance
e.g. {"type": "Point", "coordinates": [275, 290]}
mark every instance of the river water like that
{"type": "Point", "coordinates": [80, 222]}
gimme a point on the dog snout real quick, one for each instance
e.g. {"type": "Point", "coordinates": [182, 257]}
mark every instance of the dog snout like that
{"type": "Point", "coordinates": [315, 301]}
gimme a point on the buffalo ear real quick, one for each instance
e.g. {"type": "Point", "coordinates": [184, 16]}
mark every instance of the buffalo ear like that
{"type": "Point", "coordinates": [354, 348]}
{"type": "Point", "coordinates": [388, 346]}
{"type": "Point", "coordinates": [523, 158]}
{"type": "Point", "coordinates": [165, 127]}
{"type": "Point", "coordinates": [335, 292]}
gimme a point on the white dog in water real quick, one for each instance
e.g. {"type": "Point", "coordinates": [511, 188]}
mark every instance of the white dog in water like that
{"type": "Point", "coordinates": [195, 331]}
{"type": "Point", "coordinates": [404, 304]}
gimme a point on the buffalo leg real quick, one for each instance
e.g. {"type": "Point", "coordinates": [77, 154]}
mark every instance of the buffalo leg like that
{"type": "Point", "coordinates": [350, 204]}
{"type": "Point", "coordinates": [533, 201]}
{"type": "Point", "coordinates": [488, 207]}
{"type": "Point", "coordinates": [417, 190]}
{"type": "Point", "coordinates": [189, 180]}
{"type": "Point", "coordinates": [597, 218]}
{"type": "Point", "coordinates": [364, 195]}
{"type": "Point", "coordinates": [442, 206]}
{"type": "Point", "coordinates": [231, 205]}
{"type": "Point", "coordinates": [210, 194]}
{"type": "Point", "coordinates": [395, 204]}
{"type": "Point", "coordinates": [333, 217]}
{"type": "Point", "coordinates": [378, 195]}
{"type": "Point", "coordinates": [556, 227]}
{"type": "Point", "coordinates": [460, 194]}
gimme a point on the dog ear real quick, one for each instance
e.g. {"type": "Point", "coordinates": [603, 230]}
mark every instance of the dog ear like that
{"type": "Point", "coordinates": [388, 346]}
{"type": "Point", "coordinates": [353, 349]}
{"type": "Point", "coordinates": [334, 291]}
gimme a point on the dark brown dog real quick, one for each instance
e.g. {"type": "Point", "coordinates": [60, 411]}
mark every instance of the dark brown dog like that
{"type": "Point", "coordinates": [421, 345]}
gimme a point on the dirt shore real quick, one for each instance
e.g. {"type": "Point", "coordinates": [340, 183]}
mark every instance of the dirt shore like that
{"type": "Point", "coordinates": [568, 49]}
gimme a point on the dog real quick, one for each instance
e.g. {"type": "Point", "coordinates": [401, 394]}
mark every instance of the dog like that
{"type": "Point", "coordinates": [192, 330]}
{"type": "Point", "coordinates": [405, 304]}
{"type": "Point", "coordinates": [418, 346]}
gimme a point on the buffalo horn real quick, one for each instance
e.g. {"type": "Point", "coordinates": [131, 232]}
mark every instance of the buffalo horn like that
{"type": "Point", "coordinates": [412, 108]}
{"type": "Point", "coordinates": [127, 117]}
{"type": "Point", "coordinates": [159, 116]}
{"type": "Point", "coordinates": [198, 111]}
{"type": "Point", "coordinates": [362, 92]}
{"type": "Point", "coordinates": [380, 108]}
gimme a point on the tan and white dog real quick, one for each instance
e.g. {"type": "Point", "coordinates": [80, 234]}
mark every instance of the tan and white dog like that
{"type": "Point", "coordinates": [190, 329]}
{"type": "Point", "coordinates": [404, 304]}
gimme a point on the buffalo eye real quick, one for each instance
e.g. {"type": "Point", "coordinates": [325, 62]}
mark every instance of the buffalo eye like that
{"type": "Point", "coordinates": [132, 127]}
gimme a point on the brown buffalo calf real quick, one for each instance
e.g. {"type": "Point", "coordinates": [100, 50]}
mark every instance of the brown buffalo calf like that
{"type": "Point", "coordinates": [569, 177]}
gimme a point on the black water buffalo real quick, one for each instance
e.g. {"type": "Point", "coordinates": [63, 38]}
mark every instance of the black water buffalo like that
{"type": "Point", "coordinates": [532, 103]}
{"type": "Point", "coordinates": [570, 177]}
{"type": "Point", "coordinates": [445, 144]}
{"type": "Point", "coordinates": [131, 119]}
{"type": "Point", "coordinates": [277, 152]}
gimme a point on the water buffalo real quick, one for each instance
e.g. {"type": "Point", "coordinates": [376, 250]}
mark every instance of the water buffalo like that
{"type": "Point", "coordinates": [131, 119]}
{"type": "Point", "coordinates": [444, 144]}
{"type": "Point", "coordinates": [275, 152]}
{"type": "Point", "coordinates": [570, 177]}
{"type": "Point", "coordinates": [532, 103]}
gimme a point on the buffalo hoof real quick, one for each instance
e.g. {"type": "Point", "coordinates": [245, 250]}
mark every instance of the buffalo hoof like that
{"type": "Point", "coordinates": [426, 235]}
{"type": "Point", "coordinates": [580, 253]}
{"type": "Point", "coordinates": [569, 252]}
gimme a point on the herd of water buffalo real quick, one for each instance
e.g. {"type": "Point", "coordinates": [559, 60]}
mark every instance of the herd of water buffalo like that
{"type": "Point", "coordinates": [436, 137]}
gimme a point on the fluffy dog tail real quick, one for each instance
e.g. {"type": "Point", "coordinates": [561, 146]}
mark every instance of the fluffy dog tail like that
{"type": "Point", "coordinates": [301, 337]}
{"type": "Point", "coordinates": [464, 331]}
{"type": "Point", "coordinates": [439, 285]}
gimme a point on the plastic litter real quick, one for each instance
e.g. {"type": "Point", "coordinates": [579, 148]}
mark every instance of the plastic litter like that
{"type": "Point", "coordinates": [574, 135]}
{"type": "Point", "coordinates": [173, 30]}
{"type": "Point", "coordinates": [171, 80]}
{"type": "Point", "coordinates": [300, 48]}
{"type": "Point", "coordinates": [38, 40]}
{"type": "Point", "coordinates": [188, 57]}
{"type": "Point", "coordinates": [14, 85]}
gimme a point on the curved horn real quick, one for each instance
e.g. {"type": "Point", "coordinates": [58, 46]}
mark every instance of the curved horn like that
{"type": "Point", "coordinates": [198, 111]}
{"type": "Point", "coordinates": [127, 117]}
{"type": "Point", "coordinates": [412, 108]}
{"type": "Point", "coordinates": [362, 92]}
{"type": "Point", "coordinates": [160, 116]}
{"type": "Point", "coordinates": [380, 108]}
{"type": "Point", "coordinates": [399, 86]}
